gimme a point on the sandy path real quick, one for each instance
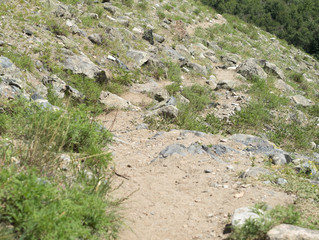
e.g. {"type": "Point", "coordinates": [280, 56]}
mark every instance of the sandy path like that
{"type": "Point", "coordinates": [173, 198]}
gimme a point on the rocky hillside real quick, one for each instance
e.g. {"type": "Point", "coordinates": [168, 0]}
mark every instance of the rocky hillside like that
{"type": "Point", "coordinates": [212, 124]}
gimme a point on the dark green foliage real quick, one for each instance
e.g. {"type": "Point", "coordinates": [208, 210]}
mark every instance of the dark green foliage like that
{"type": "Point", "coordinates": [295, 21]}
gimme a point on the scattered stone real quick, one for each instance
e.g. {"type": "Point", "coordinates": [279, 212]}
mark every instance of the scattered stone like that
{"type": "Point", "coordinates": [165, 111]}
{"type": "Point", "coordinates": [290, 232]}
{"type": "Point", "coordinates": [241, 215]}
{"type": "Point", "coordinates": [280, 158]}
{"type": "Point", "coordinates": [27, 32]}
{"type": "Point", "coordinates": [208, 171]}
{"type": "Point", "coordinates": [301, 100]}
{"type": "Point", "coordinates": [173, 149]}
{"type": "Point", "coordinates": [111, 100]}
{"type": "Point", "coordinates": [140, 58]}
{"type": "Point", "coordinates": [96, 38]}
{"type": "Point", "coordinates": [110, 8]}
{"type": "Point", "coordinates": [281, 85]}
{"type": "Point", "coordinates": [281, 181]}
{"type": "Point", "coordinates": [254, 172]}
{"type": "Point", "coordinates": [272, 68]}
{"type": "Point", "coordinates": [222, 149]}
{"type": "Point", "coordinates": [250, 69]}
{"type": "Point", "coordinates": [158, 38]}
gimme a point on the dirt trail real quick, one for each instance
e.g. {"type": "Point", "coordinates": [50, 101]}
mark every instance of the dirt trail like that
{"type": "Point", "coordinates": [179, 197]}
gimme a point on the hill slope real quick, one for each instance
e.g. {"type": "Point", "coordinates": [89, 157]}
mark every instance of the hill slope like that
{"type": "Point", "coordinates": [208, 114]}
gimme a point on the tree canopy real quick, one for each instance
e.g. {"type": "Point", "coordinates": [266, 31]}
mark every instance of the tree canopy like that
{"type": "Point", "coordinates": [296, 21]}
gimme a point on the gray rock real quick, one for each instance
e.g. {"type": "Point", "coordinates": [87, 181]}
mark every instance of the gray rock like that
{"type": "Point", "coordinates": [46, 105]}
{"type": "Point", "coordinates": [254, 143]}
{"type": "Point", "coordinates": [182, 99]}
{"type": "Point", "coordinates": [27, 32]}
{"type": "Point", "coordinates": [254, 172]}
{"type": "Point", "coordinates": [250, 69]}
{"type": "Point", "coordinates": [92, 15]}
{"type": "Point", "coordinates": [182, 50]}
{"type": "Point", "coordinates": [280, 158]}
{"type": "Point", "coordinates": [110, 8]}
{"type": "Point", "coordinates": [81, 64]}
{"type": "Point", "coordinates": [142, 126]}
{"type": "Point", "coordinates": [301, 100]}
{"type": "Point", "coordinates": [111, 100]}
{"type": "Point", "coordinates": [63, 12]}
{"type": "Point", "coordinates": [158, 38]}
{"type": "Point", "coordinates": [211, 56]}
{"type": "Point", "coordinates": [2, 43]}
{"type": "Point", "coordinates": [196, 67]}
{"type": "Point", "coordinates": [281, 85]}
{"type": "Point", "coordinates": [170, 52]}
{"type": "Point", "coordinates": [159, 94]}
{"type": "Point", "coordinates": [171, 101]}
{"type": "Point", "coordinates": [96, 38]}
{"type": "Point", "coordinates": [220, 149]}
{"type": "Point", "coordinates": [165, 111]}
{"type": "Point", "coordinates": [227, 84]}
{"type": "Point", "coordinates": [58, 86]}
{"type": "Point", "coordinates": [193, 149]}
{"type": "Point", "coordinates": [241, 215]}
{"type": "Point", "coordinates": [281, 181]}
{"type": "Point", "coordinates": [290, 232]}
{"type": "Point", "coordinates": [273, 69]}
{"type": "Point", "coordinates": [12, 82]}
{"type": "Point", "coordinates": [140, 57]}
{"type": "Point", "coordinates": [173, 149]}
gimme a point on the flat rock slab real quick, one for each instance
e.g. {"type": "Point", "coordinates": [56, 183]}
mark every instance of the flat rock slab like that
{"type": "Point", "coordinates": [81, 64]}
{"type": "Point", "coordinates": [290, 232]}
{"type": "Point", "coordinates": [301, 100]}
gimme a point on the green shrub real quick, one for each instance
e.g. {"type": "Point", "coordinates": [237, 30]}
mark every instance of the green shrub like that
{"type": "Point", "coordinates": [21, 60]}
{"type": "Point", "coordinates": [199, 96]}
{"type": "Point", "coordinates": [174, 72]}
{"type": "Point", "coordinates": [256, 229]}
{"type": "Point", "coordinates": [46, 133]}
{"type": "Point", "coordinates": [57, 28]}
{"type": "Point", "coordinates": [160, 14]}
{"type": "Point", "coordinates": [40, 209]}
{"type": "Point", "coordinates": [128, 3]}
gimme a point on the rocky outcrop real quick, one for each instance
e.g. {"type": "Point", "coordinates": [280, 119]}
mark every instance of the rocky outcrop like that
{"type": "Point", "coordinates": [81, 64]}
{"type": "Point", "coordinates": [250, 69]}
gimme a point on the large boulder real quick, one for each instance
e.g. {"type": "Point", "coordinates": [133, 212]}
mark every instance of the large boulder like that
{"type": "Point", "coordinates": [250, 69]}
{"type": "Point", "coordinates": [290, 232]}
{"type": "Point", "coordinates": [81, 64]}
{"type": "Point", "coordinates": [273, 69]}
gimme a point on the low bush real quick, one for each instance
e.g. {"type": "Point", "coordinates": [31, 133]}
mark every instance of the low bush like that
{"type": "Point", "coordinates": [39, 209]}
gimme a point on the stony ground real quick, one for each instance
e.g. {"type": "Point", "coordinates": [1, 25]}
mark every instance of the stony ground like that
{"type": "Point", "coordinates": [181, 197]}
